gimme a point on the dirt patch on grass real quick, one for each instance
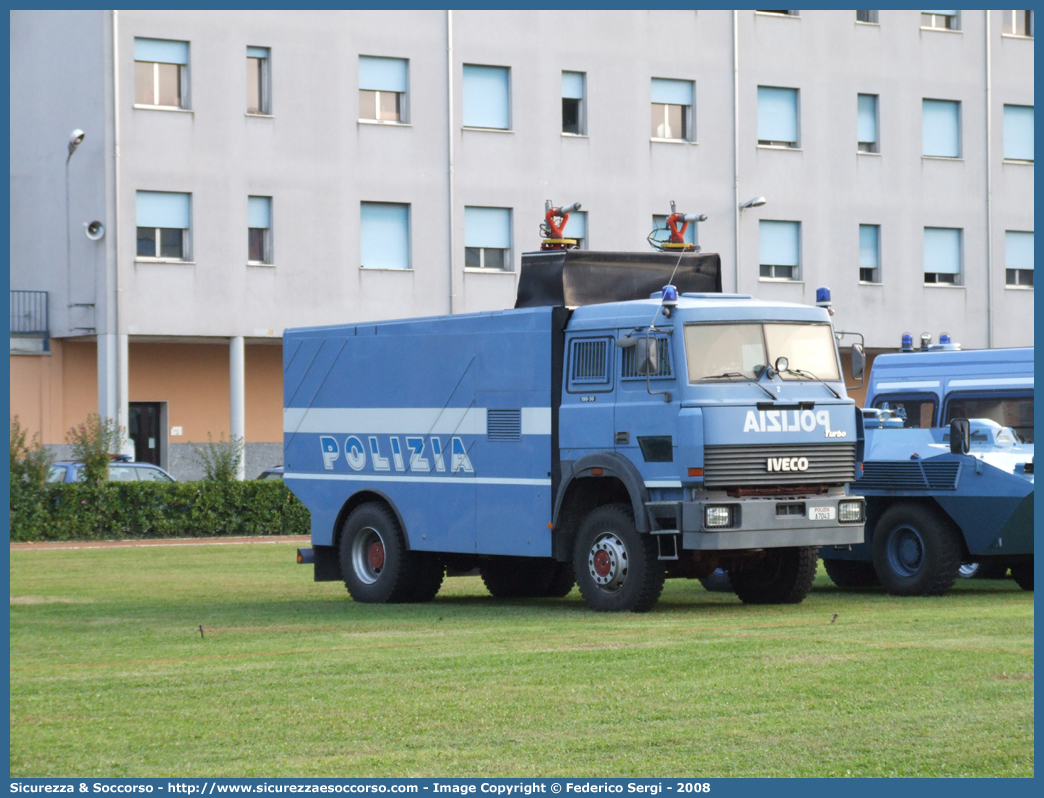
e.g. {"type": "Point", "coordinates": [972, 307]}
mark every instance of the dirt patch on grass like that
{"type": "Point", "coordinates": [1015, 677]}
{"type": "Point", "coordinates": [47, 600]}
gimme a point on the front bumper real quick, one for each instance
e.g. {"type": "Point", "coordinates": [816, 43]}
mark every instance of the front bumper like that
{"type": "Point", "coordinates": [758, 524]}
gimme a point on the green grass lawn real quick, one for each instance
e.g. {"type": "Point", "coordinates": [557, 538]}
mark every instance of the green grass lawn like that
{"type": "Point", "coordinates": [110, 677]}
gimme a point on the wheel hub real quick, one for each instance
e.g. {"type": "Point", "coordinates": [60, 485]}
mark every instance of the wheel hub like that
{"type": "Point", "coordinates": [906, 551]}
{"type": "Point", "coordinates": [368, 555]}
{"type": "Point", "coordinates": [376, 555]}
{"type": "Point", "coordinates": [607, 562]}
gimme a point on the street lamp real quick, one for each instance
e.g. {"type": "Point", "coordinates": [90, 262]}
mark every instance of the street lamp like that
{"type": "Point", "coordinates": [757, 202]}
{"type": "Point", "coordinates": [74, 141]}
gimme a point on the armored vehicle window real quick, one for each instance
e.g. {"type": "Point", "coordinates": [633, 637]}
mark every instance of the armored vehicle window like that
{"type": "Point", "coordinates": [809, 348]}
{"type": "Point", "coordinates": [917, 412]}
{"type": "Point", "coordinates": [1015, 411]}
{"type": "Point", "coordinates": [715, 349]}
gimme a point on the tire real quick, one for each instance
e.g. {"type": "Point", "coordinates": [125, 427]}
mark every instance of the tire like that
{"type": "Point", "coordinates": [376, 565]}
{"type": "Point", "coordinates": [986, 570]}
{"type": "Point", "coordinates": [516, 577]}
{"type": "Point", "coordinates": [717, 582]}
{"type": "Point", "coordinates": [562, 580]}
{"type": "Point", "coordinates": [916, 552]}
{"type": "Point", "coordinates": [969, 570]}
{"type": "Point", "coordinates": [1022, 573]}
{"type": "Point", "coordinates": [430, 572]}
{"type": "Point", "coordinates": [616, 568]}
{"type": "Point", "coordinates": [782, 576]}
{"type": "Point", "coordinates": [851, 573]}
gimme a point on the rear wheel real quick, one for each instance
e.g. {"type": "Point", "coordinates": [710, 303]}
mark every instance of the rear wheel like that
{"type": "Point", "coordinates": [562, 580]}
{"type": "Point", "coordinates": [982, 570]}
{"type": "Point", "coordinates": [916, 552]}
{"type": "Point", "coordinates": [616, 567]}
{"type": "Point", "coordinates": [430, 571]}
{"type": "Point", "coordinates": [717, 582]}
{"type": "Point", "coordinates": [376, 565]}
{"type": "Point", "coordinates": [851, 573]}
{"type": "Point", "coordinates": [516, 577]}
{"type": "Point", "coordinates": [1022, 573]}
{"type": "Point", "coordinates": [781, 576]}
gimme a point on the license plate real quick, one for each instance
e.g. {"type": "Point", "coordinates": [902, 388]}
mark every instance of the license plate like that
{"type": "Point", "coordinates": [820, 513]}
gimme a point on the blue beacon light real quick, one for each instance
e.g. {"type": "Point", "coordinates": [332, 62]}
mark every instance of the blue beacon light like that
{"type": "Point", "coordinates": [907, 345]}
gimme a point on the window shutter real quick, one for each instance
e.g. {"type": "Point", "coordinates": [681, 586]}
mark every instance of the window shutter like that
{"type": "Point", "coordinates": [945, 13]}
{"type": "Point", "coordinates": [1018, 132]}
{"type": "Point", "coordinates": [257, 52]}
{"type": "Point", "coordinates": [869, 246]}
{"type": "Point", "coordinates": [486, 99]}
{"type": "Point", "coordinates": [163, 209]}
{"type": "Point", "coordinates": [382, 74]}
{"type": "Point", "coordinates": [942, 250]}
{"type": "Point", "coordinates": [576, 227]}
{"type": "Point", "coordinates": [161, 51]}
{"type": "Point", "coordinates": [940, 128]}
{"type": "Point", "coordinates": [385, 235]}
{"type": "Point", "coordinates": [1018, 250]}
{"type": "Point", "coordinates": [573, 85]}
{"type": "Point", "coordinates": [779, 243]}
{"type": "Point", "coordinates": [868, 118]}
{"type": "Point", "coordinates": [777, 114]}
{"type": "Point", "coordinates": [672, 92]}
{"type": "Point", "coordinates": [259, 212]}
{"type": "Point", "coordinates": [589, 361]}
{"type": "Point", "coordinates": [487, 227]}
{"type": "Point", "coordinates": [660, 223]}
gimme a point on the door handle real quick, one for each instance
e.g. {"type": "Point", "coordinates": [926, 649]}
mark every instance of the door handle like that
{"type": "Point", "coordinates": [622, 438]}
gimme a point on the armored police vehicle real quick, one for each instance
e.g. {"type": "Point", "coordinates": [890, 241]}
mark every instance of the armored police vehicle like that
{"type": "Point", "coordinates": [586, 436]}
{"type": "Point", "coordinates": [935, 498]}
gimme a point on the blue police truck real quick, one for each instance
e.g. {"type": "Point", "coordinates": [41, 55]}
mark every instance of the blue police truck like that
{"type": "Point", "coordinates": [587, 436]}
{"type": "Point", "coordinates": [936, 501]}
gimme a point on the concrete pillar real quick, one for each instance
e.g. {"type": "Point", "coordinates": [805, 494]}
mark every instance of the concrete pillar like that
{"type": "Point", "coordinates": [108, 379]}
{"type": "Point", "coordinates": [123, 380]}
{"type": "Point", "coordinates": [237, 395]}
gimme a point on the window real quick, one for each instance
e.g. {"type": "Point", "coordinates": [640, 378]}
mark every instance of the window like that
{"type": "Point", "coordinates": [487, 99]}
{"type": "Point", "coordinates": [672, 109]}
{"type": "Point", "coordinates": [382, 89]}
{"type": "Point", "coordinates": [487, 238]}
{"type": "Point", "coordinates": [662, 233]}
{"type": "Point", "coordinates": [160, 72]}
{"type": "Point", "coordinates": [384, 235]}
{"type": "Point", "coordinates": [257, 81]}
{"type": "Point", "coordinates": [781, 13]}
{"type": "Point", "coordinates": [1018, 23]}
{"type": "Point", "coordinates": [1008, 408]}
{"type": "Point", "coordinates": [941, 20]}
{"type": "Point", "coordinates": [259, 229]}
{"type": "Point", "coordinates": [867, 123]}
{"type": "Point", "coordinates": [780, 249]}
{"type": "Point", "coordinates": [576, 228]}
{"type": "Point", "coordinates": [574, 117]}
{"type": "Point", "coordinates": [1018, 133]}
{"type": "Point", "coordinates": [777, 117]}
{"type": "Point", "coordinates": [733, 350]}
{"type": "Point", "coordinates": [1018, 259]}
{"type": "Point", "coordinates": [589, 364]}
{"type": "Point", "coordinates": [941, 128]}
{"type": "Point", "coordinates": [164, 221]}
{"type": "Point", "coordinates": [917, 410]}
{"type": "Point", "coordinates": [866, 16]}
{"type": "Point", "coordinates": [942, 255]}
{"type": "Point", "coordinates": [869, 253]}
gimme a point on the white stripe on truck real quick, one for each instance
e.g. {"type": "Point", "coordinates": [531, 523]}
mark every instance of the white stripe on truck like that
{"type": "Point", "coordinates": [405, 420]}
{"type": "Point", "coordinates": [461, 480]}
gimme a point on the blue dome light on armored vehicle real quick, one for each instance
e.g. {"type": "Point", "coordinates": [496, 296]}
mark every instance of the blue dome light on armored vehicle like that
{"type": "Point", "coordinates": [944, 338]}
{"type": "Point", "coordinates": [907, 345]}
{"type": "Point", "coordinates": [670, 295]}
{"type": "Point", "coordinates": [822, 295]}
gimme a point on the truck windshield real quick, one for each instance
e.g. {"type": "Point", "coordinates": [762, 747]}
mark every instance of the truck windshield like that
{"type": "Point", "coordinates": [745, 349]}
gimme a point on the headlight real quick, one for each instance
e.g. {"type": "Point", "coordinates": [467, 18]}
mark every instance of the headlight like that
{"type": "Point", "coordinates": [849, 512]}
{"type": "Point", "coordinates": [717, 516]}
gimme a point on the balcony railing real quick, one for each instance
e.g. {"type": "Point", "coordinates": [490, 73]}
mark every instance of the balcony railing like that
{"type": "Point", "coordinates": [29, 314]}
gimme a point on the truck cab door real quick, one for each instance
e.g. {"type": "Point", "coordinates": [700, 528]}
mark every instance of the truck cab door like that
{"type": "Point", "coordinates": [588, 393]}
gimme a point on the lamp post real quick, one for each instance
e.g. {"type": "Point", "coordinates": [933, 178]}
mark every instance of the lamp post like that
{"type": "Point", "coordinates": [74, 141]}
{"type": "Point", "coordinates": [757, 202]}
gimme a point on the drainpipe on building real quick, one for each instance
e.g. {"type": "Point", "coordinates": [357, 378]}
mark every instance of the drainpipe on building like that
{"type": "Point", "coordinates": [449, 141]}
{"type": "Point", "coordinates": [735, 147]}
{"type": "Point", "coordinates": [989, 187]}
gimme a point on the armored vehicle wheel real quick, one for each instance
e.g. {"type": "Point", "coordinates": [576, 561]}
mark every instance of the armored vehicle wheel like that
{"type": "Point", "coordinates": [851, 573]}
{"type": "Point", "coordinates": [916, 552]}
{"type": "Point", "coordinates": [782, 576]}
{"type": "Point", "coordinates": [516, 577]}
{"type": "Point", "coordinates": [981, 570]}
{"type": "Point", "coordinates": [717, 582]}
{"type": "Point", "coordinates": [1022, 572]}
{"type": "Point", "coordinates": [616, 567]}
{"type": "Point", "coordinates": [376, 566]}
{"type": "Point", "coordinates": [562, 580]}
{"type": "Point", "coordinates": [430, 571]}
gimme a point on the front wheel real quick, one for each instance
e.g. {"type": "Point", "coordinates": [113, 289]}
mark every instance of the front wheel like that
{"type": "Point", "coordinates": [1022, 573]}
{"type": "Point", "coordinates": [616, 567]}
{"type": "Point", "coordinates": [916, 552]}
{"type": "Point", "coordinates": [781, 576]}
{"type": "Point", "coordinates": [851, 573]}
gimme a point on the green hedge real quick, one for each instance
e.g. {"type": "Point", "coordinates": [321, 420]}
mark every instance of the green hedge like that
{"type": "Point", "coordinates": [114, 510]}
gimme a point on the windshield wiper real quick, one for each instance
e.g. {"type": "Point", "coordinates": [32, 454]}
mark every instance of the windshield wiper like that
{"type": "Point", "coordinates": [813, 376]}
{"type": "Point", "coordinates": [728, 375]}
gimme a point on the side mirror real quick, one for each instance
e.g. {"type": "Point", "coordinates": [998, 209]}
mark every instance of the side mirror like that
{"type": "Point", "coordinates": [858, 361]}
{"type": "Point", "coordinates": [960, 436]}
{"type": "Point", "coordinates": [646, 357]}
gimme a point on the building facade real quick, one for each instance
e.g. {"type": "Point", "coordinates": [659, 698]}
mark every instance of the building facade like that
{"type": "Point", "coordinates": [254, 171]}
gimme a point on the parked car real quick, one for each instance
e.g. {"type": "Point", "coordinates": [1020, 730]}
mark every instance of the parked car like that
{"type": "Point", "coordinates": [276, 472]}
{"type": "Point", "coordinates": [119, 471]}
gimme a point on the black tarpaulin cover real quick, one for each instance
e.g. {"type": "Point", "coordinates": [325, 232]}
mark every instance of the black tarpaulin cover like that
{"type": "Point", "coordinates": [575, 277]}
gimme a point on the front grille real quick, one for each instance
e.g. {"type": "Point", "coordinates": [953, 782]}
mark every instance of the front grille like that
{"type": "Point", "coordinates": [748, 466]}
{"type": "Point", "coordinates": [909, 475]}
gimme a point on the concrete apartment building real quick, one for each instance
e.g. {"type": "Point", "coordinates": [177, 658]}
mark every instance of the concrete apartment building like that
{"type": "Point", "coordinates": [253, 171]}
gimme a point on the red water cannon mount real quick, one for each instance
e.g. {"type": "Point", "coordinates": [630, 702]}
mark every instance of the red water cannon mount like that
{"type": "Point", "coordinates": [676, 242]}
{"type": "Point", "coordinates": [553, 226]}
